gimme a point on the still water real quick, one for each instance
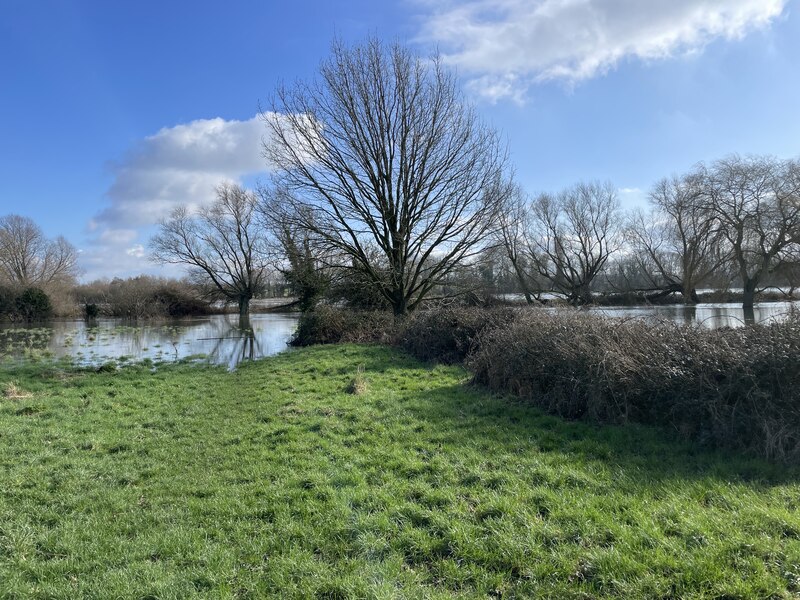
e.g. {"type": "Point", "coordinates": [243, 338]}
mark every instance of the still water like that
{"type": "Point", "coordinates": [711, 316]}
{"type": "Point", "coordinates": [219, 339]}
{"type": "Point", "coordinates": [224, 340]}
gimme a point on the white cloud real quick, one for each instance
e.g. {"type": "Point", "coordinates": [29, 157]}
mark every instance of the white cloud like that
{"type": "Point", "coordinates": [137, 251]}
{"type": "Point", "coordinates": [505, 45]}
{"type": "Point", "coordinates": [632, 197]}
{"type": "Point", "coordinates": [181, 165]}
{"type": "Point", "coordinates": [176, 166]}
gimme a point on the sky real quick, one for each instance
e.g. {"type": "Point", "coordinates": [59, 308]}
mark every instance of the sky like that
{"type": "Point", "coordinates": [114, 113]}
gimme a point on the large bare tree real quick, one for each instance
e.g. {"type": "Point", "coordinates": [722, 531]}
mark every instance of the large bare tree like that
{"type": "Point", "coordinates": [678, 244]}
{"type": "Point", "coordinates": [572, 235]}
{"type": "Point", "coordinates": [223, 244]}
{"type": "Point", "coordinates": [388, 167]}
{"type": "Point", "coordinates": [757, 202]}
{"type": "Point", "coordinates": [28, 258]}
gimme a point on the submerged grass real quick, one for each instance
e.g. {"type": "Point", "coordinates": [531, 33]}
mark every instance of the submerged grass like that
{"type": "Point", "coordinates": [276, 481]}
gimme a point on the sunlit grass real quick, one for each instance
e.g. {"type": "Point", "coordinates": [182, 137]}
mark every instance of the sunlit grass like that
{"type": "Point", "coordinates": [278, 481]}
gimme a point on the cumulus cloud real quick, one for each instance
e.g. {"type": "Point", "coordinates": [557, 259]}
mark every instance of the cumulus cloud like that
{"type": "Point", "coordinates": [506, 45]}
{"type": "Point", "coordinates": [180, 165]}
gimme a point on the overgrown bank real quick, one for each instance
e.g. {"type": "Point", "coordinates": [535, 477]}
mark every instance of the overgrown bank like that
{"type": "Point", "coordinates": [729, 388]}
{"type": "Point", "coordinates": [278, 481]}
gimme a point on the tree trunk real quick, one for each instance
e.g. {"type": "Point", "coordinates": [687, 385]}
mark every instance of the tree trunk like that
{"type": "Point", "coordinates": [244, 306]}
{"type": "Point", "coordinates": [689, 294]}
{"type": "Point", "coordinates": [583, 296]}
{"type": "Point", "coordinates": [400, 305]}
{"type": "Point", "coordinates": [749, 294]}
{"type": "Point", "coordinates": [523, 284]}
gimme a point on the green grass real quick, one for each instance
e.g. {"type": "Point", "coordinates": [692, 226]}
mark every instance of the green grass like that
{"type": "Point", "coordinates": [277, 481]}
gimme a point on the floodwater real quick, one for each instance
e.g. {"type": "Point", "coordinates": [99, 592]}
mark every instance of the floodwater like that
{"type": "Point", "coordinates": [224, 340]}
{"type": "Point", "coordinates": [711, 316]}
{"type": "Point", "coordinates": [219, 339]}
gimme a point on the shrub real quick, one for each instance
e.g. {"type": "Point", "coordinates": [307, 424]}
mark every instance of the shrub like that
{"type": "Point", "coordinates": [33, 305]}
{"type": "Point", "coordinates": [8, 302]}
{"type": "Point", "coordinates": [141, 297]}
{"type": "Point", "coordinates": [449, 334]}
{"type": "Point", "coordinates": [177, 302]}
{"type": "Point", "coordinates": [736, 388]}
{"type": "Point", "coordinates": [327, 324]}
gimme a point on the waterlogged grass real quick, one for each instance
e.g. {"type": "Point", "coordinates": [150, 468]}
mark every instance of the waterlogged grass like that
{"type": "Point", "coordinates": [286, 479]}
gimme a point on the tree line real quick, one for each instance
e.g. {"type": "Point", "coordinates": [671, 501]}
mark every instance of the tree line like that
{"type": "Point", "coordinates": [388, 190]}
{"type": "Point", "coordinates": [736, 220]}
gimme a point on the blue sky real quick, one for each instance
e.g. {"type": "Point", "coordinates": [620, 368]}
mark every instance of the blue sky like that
{"type": "Point", "coordinates": [114, 112]}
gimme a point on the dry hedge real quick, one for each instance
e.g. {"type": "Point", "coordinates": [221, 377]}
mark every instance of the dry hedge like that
{"type": "Point", "coordinates": [734, 388]}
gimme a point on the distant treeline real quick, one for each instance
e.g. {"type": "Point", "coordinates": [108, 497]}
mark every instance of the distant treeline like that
{"type": "Point", "coordinates": [397, 193]}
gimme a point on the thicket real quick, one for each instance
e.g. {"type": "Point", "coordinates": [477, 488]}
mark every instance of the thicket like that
{"type": "Point", "coordinates": [726, 388]}
{"type": "Point", "coordinates": [328, 324]}
{"type": "Point", "coordinates": [141, 297]}
{"type": "Point", "coordinates": [24, 304]}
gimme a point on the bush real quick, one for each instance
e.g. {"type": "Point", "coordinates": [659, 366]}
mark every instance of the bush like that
{"type": "Point", "coordinates": [140, 298]}
{"type": "Point", "coordinates": [33, 305]}
{"type": "Point", "coordinates": [735, 388]}
{"type": "Point", "coordinates": [8, 302]}
{"type": "Point", "coordinates": [449, 334]}
{"type": "Point", "coordinates": [177, 302]}
{"type": "Point", "coordinates": [91, 311]}
{"type": "Point", "coordinates": [331, 325]}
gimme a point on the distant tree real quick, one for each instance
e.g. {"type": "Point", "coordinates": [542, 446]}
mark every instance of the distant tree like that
{"type": "Point", "coordinates": [223, 244]}
{"type": "Point", "coordinates": [678, 245]}
{"type": "Point", "coordinates": [29, 259]}
{"type": "Point", "coordinates": [514, 237]}
{"type": "Point", "coordinates": [572, 235]}
{"type": "Point", "coordinates": [388, 167]}
{"type": "Point", "coordinates": [757, 202]}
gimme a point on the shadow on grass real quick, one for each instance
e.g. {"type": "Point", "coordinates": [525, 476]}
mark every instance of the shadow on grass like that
{"type": "Point", "coordinates": [468, 413]}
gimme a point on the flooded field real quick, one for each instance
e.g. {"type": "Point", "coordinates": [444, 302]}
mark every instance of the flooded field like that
{"type": "Point", "coordinates": [224, 340]}
{"type": "Point", "coordinates": [220, 339]}
{"type": "Point", "coordinates": [711, 316]}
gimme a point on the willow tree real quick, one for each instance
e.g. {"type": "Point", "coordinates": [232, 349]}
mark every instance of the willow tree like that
{"type": "Point", "coordinates": [28, 258]}
{"type": "Point", "coordinates": [756, 200]}
{"type": "Point", "coordinates": [223, 244]}
{"type": "Point", "coordinates": [572, 235]}
{"type": "Point", "coordinates": [388, 167]}
{"type": "Point", "coordinates": [679, 245]}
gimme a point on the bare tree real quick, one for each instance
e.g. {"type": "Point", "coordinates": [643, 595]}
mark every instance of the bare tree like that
{"type": "Point", "coordinates": [388, 167]}
{"type": "Point", "coordinates": [757, 202]}
{"type": "Point", "coordinates": [223, 244]}
{"type": "Point", "coordinates": [678, 245]}
{"type": "Point", "coordinates": [573, 235]}
{"type": "Point", "coordinates": [302, 263]}
{"type": "Point", "coordinates": [28, 258]}
{"type": "Point", "coordinates": [513, 235]}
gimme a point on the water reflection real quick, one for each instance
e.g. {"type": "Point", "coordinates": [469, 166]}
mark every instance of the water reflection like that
{"type": "Point", "coordinates": [221, 339]}
{"type": "Point", "coordinates": [711, 316]}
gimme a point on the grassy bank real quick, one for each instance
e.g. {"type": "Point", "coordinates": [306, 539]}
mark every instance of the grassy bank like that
{"type": "Point", "coordinates": [279, 481]}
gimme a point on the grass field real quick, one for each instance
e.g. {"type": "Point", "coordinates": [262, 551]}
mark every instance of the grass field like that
{"type": "Point", "coordinates": [357, 472]}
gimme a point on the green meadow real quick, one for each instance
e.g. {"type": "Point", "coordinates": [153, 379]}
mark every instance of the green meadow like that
{"type": "Point", "coordinates": [358, 472]}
